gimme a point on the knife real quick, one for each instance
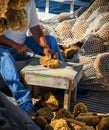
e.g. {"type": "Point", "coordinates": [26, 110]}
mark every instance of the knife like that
{"type": "Point", "coordinates": [31, 54]}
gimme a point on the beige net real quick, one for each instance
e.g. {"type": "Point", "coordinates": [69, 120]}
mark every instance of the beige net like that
{"type": "Point", "coordinates": [69, 30]}
{"type": "Point", "coordinates": [91, 28]}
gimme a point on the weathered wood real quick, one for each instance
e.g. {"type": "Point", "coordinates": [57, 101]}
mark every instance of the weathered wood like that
{"type": "Point", "coordinates": [67, 98]}
{"type": "Point", "coordinates": [43, 80]}
{"type": "Point", "coordinates": [66, 77]}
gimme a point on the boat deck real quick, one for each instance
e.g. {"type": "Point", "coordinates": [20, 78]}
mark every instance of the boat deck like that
{"type": "Point", "coordinates": [97, 101]}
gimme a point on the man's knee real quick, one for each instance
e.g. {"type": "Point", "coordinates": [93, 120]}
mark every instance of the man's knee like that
{"type": "Point", "coordinates": [52, 43]}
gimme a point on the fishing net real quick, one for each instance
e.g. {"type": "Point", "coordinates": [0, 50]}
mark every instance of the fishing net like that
{"type": "Point", "coordinates": [59, 26]}
{"type": "Point", "coordinates": [69, 30]}
{"type": "Point", "coordinates": [91, 28]}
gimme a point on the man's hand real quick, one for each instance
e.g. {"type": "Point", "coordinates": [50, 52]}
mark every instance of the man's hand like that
{"type": "Point", "coordinates": [40, 39]}
{"type": "Point", "coordinates": [22, 49]}
{"type": "Point", "coordinates": [50, 53]}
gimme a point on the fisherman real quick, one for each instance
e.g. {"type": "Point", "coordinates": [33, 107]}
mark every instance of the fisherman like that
{"type": "Point", "coordinates": [14, 46]}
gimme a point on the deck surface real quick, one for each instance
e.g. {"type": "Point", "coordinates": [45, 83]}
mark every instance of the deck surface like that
{"type": "Point", "coordinates": [98, 101]}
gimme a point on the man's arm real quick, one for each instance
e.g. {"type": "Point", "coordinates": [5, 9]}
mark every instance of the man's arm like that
{"type": "Point", "coordinates": [40, 39]}
{"type": "Point", "coordinates": [7, 42]}
{"type": "Point", "coordinates": [19, 48]}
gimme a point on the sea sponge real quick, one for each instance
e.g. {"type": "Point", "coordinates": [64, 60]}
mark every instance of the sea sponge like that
{"type": "Point", "coordinates": [16, 19]}
{"type": "Point", "coordinates": [79, 108]}
{"type": "Point", "coordinates": [74, 124]}
{"type": "Point", "coordinates": [41, 121]}
{"type": "Point", "coordinates": [50, 63]}
{"type": "Point", "coordinates": [50, 101]}
{"type": "Point", "coordinates": [78, 125]}
{"type": "Point", "coordinates": [3, 25]}
{"type": "Point", "coordinates": [45, 112]}
{"type": "Point", "coordinates": [89, 120]}
{"type": "Point", "coordinates": [48, 127]}
{"type": "Point", "coordinates": [101, 65]}
{"type": "Point", "coordinates": [14, 13]}
{"type": "Point", "coordinates": [70, 51]}
{"type": "Point", "coordinates": [63, 113]}
{"type": "Point", "coordinates": [17, 4]}
{"type": "Point", "coordinates": [3, 6]}
{"type": "Point", "coordinates": [104, 124]}
{"type": "Point", "coordinates": [60, 124]}
{"type": "Point", "coordinates": [53, 122]}
{"type": "Point", "coordinates": [88, 114]}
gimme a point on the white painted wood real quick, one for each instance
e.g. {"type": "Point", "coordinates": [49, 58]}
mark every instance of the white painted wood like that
{"type": "Point", "coordinates": [43, 80]}
{"type": "Point", "coordinates": [72, 3]}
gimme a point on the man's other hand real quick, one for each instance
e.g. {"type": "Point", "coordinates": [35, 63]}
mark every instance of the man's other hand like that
{"type": "Point", "coordinates": [22, 49]}
{"type": "Point", "coordinates": [50, 53]}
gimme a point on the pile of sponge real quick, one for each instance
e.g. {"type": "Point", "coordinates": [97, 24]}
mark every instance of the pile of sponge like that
{"type": "Point", "coordinates": [12, 15]}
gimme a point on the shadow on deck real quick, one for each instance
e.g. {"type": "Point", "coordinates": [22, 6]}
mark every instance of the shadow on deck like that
{"type": "Point", "coordinates": [96, 102]}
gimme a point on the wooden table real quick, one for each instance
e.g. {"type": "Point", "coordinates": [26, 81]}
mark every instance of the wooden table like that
{"type": "Point", "coordinates": [66, 77]}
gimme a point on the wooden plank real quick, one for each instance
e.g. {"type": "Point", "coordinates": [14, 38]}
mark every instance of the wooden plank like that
{"type": "Point", "coordinates": [77, 78]}
{"type": "Point", "coordinates": [43, 80]}
{"type": "Point", "coordinates": [67, 98]}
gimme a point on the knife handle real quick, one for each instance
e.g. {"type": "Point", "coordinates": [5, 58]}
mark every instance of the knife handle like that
{"type": "Point", "coordinates": [31, 54]}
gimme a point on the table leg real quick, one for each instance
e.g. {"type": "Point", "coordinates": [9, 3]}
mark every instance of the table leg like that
{"type": "Point", "coordinates": [67, 99]}
{"type": "Point", "coordinates": [29, 87]}
{"type": "Point", "coordinates": [75, 93]}
{"type": "Point", "coordinates": [35, 91]}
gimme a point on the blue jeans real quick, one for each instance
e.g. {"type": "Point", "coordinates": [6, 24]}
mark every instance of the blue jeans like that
{"type": "Point", "coordinates": [8, 68]}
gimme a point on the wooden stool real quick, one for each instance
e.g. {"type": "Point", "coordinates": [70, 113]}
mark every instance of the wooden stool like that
{"type": "Point", "coordinates": [66, 77]}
